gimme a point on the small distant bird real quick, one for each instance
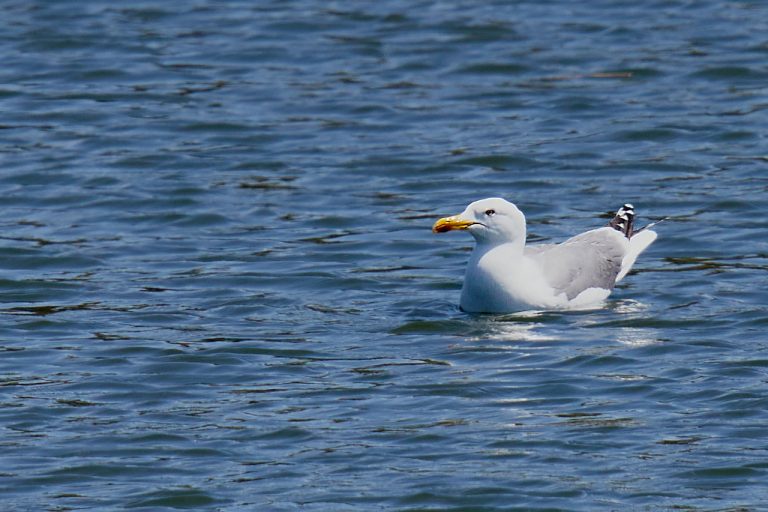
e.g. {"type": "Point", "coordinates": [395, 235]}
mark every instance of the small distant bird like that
{"type": "Point", "coordinates": [504, 275]}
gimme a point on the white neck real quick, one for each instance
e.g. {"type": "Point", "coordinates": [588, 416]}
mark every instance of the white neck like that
{"type": "Point", "coordinates": [516, 246]}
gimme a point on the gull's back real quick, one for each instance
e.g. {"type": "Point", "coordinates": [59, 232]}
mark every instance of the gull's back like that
{"type": "Point", "coordinates": [596, 259]}
{"type": "Point", "coordinates": [589, 260]}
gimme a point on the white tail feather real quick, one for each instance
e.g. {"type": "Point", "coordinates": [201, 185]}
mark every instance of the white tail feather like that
{"type": "Point", "coordinates": [637, 244]}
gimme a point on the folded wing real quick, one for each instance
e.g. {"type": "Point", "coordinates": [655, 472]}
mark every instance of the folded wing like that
{"type": "Point", "coordinates": [589, 260]}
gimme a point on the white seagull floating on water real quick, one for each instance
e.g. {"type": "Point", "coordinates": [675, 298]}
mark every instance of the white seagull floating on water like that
{"type": "Point", "coordinates": [504, 275]}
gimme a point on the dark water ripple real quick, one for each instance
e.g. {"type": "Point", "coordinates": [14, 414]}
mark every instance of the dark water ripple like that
{"type": "Point", "coordinates": [219, 290]}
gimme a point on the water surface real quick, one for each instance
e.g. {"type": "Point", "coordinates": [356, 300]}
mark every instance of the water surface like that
{"type": "Point", "coordinates": [220, 291]}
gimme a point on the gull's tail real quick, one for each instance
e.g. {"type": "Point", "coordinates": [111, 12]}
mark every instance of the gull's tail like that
{"type": "Point", "coordinates": [624, 222]}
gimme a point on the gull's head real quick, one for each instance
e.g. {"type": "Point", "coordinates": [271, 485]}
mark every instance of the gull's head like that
{"type": "Point", "coordinates": [493, 220]}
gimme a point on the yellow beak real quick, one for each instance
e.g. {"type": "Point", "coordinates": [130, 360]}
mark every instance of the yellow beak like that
{"type": "Point", "coordinates": [451, 223]}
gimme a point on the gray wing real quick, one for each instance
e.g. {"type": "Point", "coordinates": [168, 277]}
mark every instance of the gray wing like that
{"type": "Point", "coordinates": [589, 260]}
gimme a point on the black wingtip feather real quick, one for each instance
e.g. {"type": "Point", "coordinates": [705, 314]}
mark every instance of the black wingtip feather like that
{"type": "Point", "coordinates": [624, 220]}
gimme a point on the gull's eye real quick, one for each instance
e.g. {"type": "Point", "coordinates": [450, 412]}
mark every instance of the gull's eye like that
{"type": "Point", "coordinates": [490, 212]}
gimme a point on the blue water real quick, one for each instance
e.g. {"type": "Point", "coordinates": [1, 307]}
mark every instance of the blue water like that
{"type": "Point", "coordinates": [220, 290]}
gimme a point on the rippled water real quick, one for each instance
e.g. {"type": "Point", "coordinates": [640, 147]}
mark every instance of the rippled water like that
{"type": "Point", "coordinates": [220, 291]}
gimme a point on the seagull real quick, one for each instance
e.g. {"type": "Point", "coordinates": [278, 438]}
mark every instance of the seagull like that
{"type": "Point", "coordinates": [505, 275]}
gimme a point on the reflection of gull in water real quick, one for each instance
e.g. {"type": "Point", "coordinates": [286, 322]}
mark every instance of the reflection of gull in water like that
{"type": "Point", "coordinates": [637, 336]}
{"type": "Point", "coordinates": [629, 306]}
{"type": "Point", "coordinates": [513, 331]}
{"type": "Point", "coordinates": [631, 335]}
{"type": "Point", "coordinates": [518, 327]}
{"type": "Point", "coordinates": [625, 325]}
{"type": "Point", "coordinates": [626, 328]}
